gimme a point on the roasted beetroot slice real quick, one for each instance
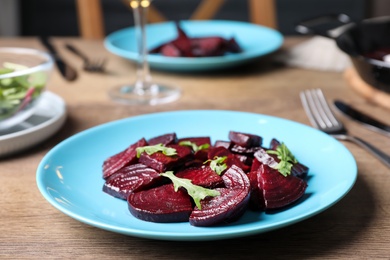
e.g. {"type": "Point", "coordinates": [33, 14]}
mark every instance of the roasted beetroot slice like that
{"type": "Point", "coordinates": [122, 159]}
{"type": "Point", "coordinates": [192, 163]}
{"type": "Point", "coordinates": [131, 178]}
{"type": "Point", "coordinates": [208, 46]}
{"type": "Point", "coordinates": [274, 144]}
{"type": "Point", "coordinates": [235, 148]}
{"type": "Point", "coordinates": [165, 139]}
{"type": "Point", "coordinates": [229, 205]}
{"type": "Point", "coordinates": [170, 50]}
{"type": "Point", "coordinates": [232, 159]}
{"type": "Point", "coordinates": [256, 201]}
{"type": "Point", "coordinates": [179, 47]}
{"type": "Point", "coordinates": [219, 151]}
{"type": "Point", "coordinates": [255, 165]}
{"type": "Point", "coordinates": [280, 191]}
{"type": "Point", "coordinates": [183, 42]}
{"type": "Point", "coordinates": [233, 46]}
{"type": "Point", "coordinates": [247, 160]}
{"type": "Point", "coordinates": [201, 154]}
{"type": "Point", "coordinates": [161, 162]}
{"type": "Point", "coordinates": [222, 143]}
{"type": "Point", "coordinates": [265, 158]}
{"type": "Point", "coordinates": [244, 139]}
{"type": "Point", "coordinates": [197, 140]}
{"type": "Point", "coordinates": [202, 176]}
{"type": "Point", "coordinates": [161, 204]}
{"type": "Point", "coordinates": [300, 170]}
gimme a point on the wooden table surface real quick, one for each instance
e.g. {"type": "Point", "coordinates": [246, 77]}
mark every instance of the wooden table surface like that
{"type": "Point", "coordinates": [356, 227]}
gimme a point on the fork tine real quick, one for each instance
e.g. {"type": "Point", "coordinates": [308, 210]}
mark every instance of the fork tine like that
{"type": "Point", "coordinates": [95, 66]}
{"type": "Point", "coordinates": [329, 117]}
{"type": "Point", "coordinates": [320, 105]}
{"type": "Point", "coordinates": [318, 110]}
{"type": "Point", "coordinates": [310, 108]}
{"type": "Point", "coordinates": [99, 65]}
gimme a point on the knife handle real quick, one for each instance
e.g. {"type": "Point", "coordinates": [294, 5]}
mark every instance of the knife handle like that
{"type": "Point", "coordinates": [45, 41]}
{"type": "Point", "coordinates": [76, 51]}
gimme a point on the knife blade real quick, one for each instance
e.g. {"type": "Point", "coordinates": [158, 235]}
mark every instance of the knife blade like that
{"type": "Point", "coordinates": [68, 72]}
{"type": "Point", "coordinates": [368, 121]}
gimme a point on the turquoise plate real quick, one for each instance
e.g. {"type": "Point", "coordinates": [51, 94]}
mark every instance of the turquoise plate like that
{"type": "Point", "coordinates": [255, 40]}
{"type": "Point", "coordinates": [70, 175]}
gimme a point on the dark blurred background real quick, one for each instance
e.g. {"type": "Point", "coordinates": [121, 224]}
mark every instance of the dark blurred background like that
{"type": "Point", "coordinates": [59, 17]}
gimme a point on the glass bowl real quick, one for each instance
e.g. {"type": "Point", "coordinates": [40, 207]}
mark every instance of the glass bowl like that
{"type": "Point", "coordinates": [24, 74]}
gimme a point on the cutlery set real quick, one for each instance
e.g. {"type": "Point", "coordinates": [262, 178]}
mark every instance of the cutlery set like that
{"type": "Point", "coordinates": [321, 116]}
{"type": "Point", "coordinates": [89, 65]}
{"type": "Point", "coordinates": [67, 71]}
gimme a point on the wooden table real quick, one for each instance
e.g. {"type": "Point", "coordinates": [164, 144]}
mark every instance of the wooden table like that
{"type": "Point", "coordinates": [356, 227]}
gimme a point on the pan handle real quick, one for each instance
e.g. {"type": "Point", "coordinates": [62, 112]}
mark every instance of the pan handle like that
{"type": "Point", "coordinates": [330, 26]}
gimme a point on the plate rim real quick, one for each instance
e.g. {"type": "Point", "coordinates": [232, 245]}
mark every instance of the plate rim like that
{"type": "Point", "coordinates": [161, 235]}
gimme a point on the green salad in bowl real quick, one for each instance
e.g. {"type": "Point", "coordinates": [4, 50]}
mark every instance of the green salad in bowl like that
{"type": "Point", "coordinates": [24, 74]}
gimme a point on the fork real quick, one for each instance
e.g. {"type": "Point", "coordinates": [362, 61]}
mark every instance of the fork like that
{"type": "Point", "coordinates": [322, 117]}
{"type": "Point", "coordinates": [89, 65]}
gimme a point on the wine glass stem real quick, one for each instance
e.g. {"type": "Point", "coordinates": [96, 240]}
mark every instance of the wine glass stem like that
{"type": "Point", "coordinates": [143, 83]}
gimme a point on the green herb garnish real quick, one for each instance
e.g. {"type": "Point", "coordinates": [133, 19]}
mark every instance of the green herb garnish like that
{"type": "Point", "coordinates": [286, 159]}
{"type": "Point", "coordinates": [194, 146]}
{"type": "Point", "coordinates": [151, 149]}
{"type": "Point", "coordinates": [197, 193]}
{"type": "Point", "coordinates": [218, 164]}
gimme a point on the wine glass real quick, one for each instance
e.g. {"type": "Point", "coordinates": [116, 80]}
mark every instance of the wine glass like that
{"type": "Point", "coordinates": [143, 91]}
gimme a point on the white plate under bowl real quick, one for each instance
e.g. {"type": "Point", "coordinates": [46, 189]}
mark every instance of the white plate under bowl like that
{"type": "Point", "coordinates": [49, 116]}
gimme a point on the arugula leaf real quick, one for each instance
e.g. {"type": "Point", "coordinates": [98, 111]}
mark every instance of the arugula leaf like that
{"type": "Point", "coordinates": [286, 159]}
{"type": "Point", "coordinates": [197, 193]}
{"type": "Point", "coordinates": [218, 164]}
{"type": "Point", "coordinates": [151, 149]}
{"type": "Point", "coordinates": [194, 147]}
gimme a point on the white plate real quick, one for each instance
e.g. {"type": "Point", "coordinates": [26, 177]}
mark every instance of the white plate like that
{"type": "Point", "coordinates": [48, 118]}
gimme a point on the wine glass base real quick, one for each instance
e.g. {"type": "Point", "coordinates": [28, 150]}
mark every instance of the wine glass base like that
{"type": "Point", "coordinates": [127, 94]}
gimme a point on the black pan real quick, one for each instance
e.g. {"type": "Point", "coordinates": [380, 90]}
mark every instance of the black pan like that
{"type": "Point", "coordinates": [357, 39]}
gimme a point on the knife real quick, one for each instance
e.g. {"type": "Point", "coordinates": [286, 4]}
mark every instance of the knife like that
{"type": "Point", "coordinates": [66, 70]}
{"type": "Point", "coordinates": [366, 120]}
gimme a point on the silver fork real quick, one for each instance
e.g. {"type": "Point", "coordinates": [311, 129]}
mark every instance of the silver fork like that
{"type": "Point", "coordinates": [89, 65]}
{"type": "Point", "coordinates": [322, 117]}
